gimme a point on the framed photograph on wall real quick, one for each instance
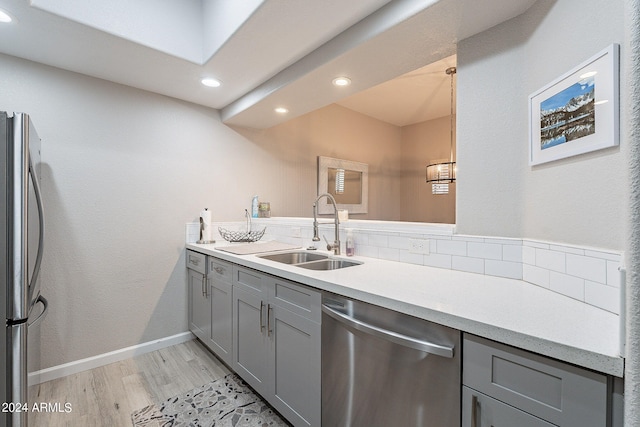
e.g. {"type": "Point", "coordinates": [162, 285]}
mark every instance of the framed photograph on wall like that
{"type": "Point", "coordinates": [578, 112]}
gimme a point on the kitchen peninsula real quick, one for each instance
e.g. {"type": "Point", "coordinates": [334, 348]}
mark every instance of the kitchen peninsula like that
{"type": "Point", "coordinates": [534, 319]}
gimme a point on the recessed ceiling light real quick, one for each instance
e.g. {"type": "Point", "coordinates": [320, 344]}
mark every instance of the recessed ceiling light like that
{"type": "Point", "coordinates": [208, 81]}
{"type": "Point", "coordinates": [281, 110]}
{"type": "Point", "coordinates": [341, 81]}
{"type": "Point", "coordinates": [4, 16]}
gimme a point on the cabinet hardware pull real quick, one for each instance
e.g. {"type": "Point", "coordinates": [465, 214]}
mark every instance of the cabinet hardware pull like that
{"type": "Point", "coordinates": [395, 337]}
{"type": "Point", "coordinates": [269, 330]}
{"type": "Point", "coordinates": [474, 411]}
{"type": "Point", "coordinates": [194, 261]}
{"type": "Point", "coordinates": [219, 270]}
{"type": "Point", "coordinates": [261, 323]}
{"type": "Point", "coordinates": [203, 289]}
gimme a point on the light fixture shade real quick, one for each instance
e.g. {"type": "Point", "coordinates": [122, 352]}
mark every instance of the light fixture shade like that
{"type": "Point", "coordinates": [441, 173]}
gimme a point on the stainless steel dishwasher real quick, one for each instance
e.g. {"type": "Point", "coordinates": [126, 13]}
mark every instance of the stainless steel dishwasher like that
{"type": "Point", "coordinates": [383, 368]}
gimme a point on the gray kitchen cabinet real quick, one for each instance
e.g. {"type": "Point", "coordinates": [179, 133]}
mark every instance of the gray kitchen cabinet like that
{"type": "Point", "coordinates": [276, 326]}
{"type": "Point", "coordinates": [505, 386]}
{"type": "Point", "coordinates": [199, 302]}
{"type": "Point", "coordinates": [220, 293]}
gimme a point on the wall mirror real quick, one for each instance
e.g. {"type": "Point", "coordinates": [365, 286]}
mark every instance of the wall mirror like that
{"type": "Point", "coordinates": [347, 181]}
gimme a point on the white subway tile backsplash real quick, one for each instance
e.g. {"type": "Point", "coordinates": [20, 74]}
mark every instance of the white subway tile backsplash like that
{"type": "Point", "coordinates": [380, 240]}
{"type": "Point", "coordinates": [512, 253]}
{"type": "Point", "coordinates": [391, 254]}
{"type": "Point", "coordinates": [503, 241]}
{"type": "Point", "coordinates": [586, 274]}
{"type": "Point", "coordinates": [438, 260]}
{"type": "Point", "coordinates": [535, 244]}
{"type": "Point", "coordinates": [471, 265]}
{"type": "Point", "coordinates": [465, 238]}
{"type": "Point", "coordinates": [512, 270]}
{"type": "Point", "coordinates": [550, 260]}
{"type": "Point", "coordinates": [399, 242]}
{"type": "Point", "coordinates": [529, 255]}
{"type": "Point", "coordinates": [192, 232]}
{"type": "Point", "coordinates": [587, 267]}
{"type": "Point", "coordinates": [411, 258]}
{"type": "Point", "coordinates": [536, 275]}
{"type": "Point", "coordinates": [367, 250]}
{"type": "Point", "coordinates": [603, 254]}
{"type": "Point", "coordinates": [567, 249]}
{"type": "Point", "coordinates": [361, 238]}
{"type": "Point", "coordinates": [570, 286]}
{"type": "Point", "coordinates": [613, 273]}
{"type": "Point", "coordinates": [603, 296]}
{"type": "Point", "coordinates": [484, 250]}
{"type": "Point", "coordinates": [452, 247]}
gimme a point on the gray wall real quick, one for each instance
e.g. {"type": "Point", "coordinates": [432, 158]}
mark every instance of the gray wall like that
{"type": "Point", "coordinates": [580, 200]}
{"type": "Point", "coordinates": [123, 171]}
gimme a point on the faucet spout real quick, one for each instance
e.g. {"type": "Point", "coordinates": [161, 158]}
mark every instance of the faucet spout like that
{"type": "Point", "coordinates": [335, 246]}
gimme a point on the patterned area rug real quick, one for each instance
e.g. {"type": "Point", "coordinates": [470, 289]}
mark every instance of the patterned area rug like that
{"type": "Point", "coordinates": [224, 402]}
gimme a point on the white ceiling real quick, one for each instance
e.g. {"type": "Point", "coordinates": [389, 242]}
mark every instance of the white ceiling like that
{"type": "Point", "coordinates": [266, 52]}
{"type": "Point", "coordinates": [420, 95]}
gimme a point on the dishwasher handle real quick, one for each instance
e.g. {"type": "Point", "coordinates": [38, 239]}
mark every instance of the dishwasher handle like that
{"type": "Point", "coordinates": [395, 337]}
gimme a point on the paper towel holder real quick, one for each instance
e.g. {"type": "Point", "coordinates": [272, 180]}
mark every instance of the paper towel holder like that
{"type": "Point", "coordinates": [201, 240]}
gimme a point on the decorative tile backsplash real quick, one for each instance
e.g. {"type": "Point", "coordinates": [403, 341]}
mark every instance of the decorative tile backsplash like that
{"type": "Point", "coordinates": [585, 274]}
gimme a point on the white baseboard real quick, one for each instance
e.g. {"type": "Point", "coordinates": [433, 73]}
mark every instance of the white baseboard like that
{"type": "Point", "coordinates": [65, 369]}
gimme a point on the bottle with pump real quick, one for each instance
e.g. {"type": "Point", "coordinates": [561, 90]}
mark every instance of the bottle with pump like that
{"type": "Point", "coordinates": [350, 245]}
{"type": "Point", "coordinates": [254, 207]}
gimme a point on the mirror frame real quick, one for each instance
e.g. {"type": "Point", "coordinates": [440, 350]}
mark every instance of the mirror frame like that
{"type": "Point", "coordinates": [324, 164]}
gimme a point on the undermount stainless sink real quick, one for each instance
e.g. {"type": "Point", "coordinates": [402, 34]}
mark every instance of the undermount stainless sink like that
{"type": "Point", "coordinates": [328, 264]}
{"type": "Point", "coordinates": [309, 260]}
{"type": "Point", "coordinates": [294, 257]}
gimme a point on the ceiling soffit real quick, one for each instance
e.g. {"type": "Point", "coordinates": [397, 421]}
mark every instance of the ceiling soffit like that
{"type": "Point", "coordinates": [400, 37]}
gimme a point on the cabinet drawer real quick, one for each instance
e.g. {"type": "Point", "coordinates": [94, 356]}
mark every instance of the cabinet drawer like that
{"type": "Point", "coordinates": [557, 392]}
{"type": "Point", "coordinates": [249, 280]}
{"type": "Point", "coordinates": [221, 270]}
{"type": "Point", "coordinates": [197, 261]}
{"type": "Point", "coordinates": [296, 298]}
{"type": "Point", "coordinates": [489, 412]}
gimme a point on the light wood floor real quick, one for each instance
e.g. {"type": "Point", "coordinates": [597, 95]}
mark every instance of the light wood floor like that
{"type": "Point", "coordinates": [107, 395]}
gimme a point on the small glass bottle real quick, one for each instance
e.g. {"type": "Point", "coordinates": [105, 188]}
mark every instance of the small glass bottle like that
{"type": "Point", "coordinates": [350, 245]}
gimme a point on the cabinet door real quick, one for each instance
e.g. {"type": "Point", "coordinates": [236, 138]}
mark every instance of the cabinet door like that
{"type": "Point", "coordinates": [221, 319]}
{"type": "Point", "coordinates": [199, 307]}
{"type": "Point", "coordinates": [551, 390]}
{"type": "Point", "coordinates": [479, 410]}
{"type": "Point", "coordinates": [250, 340]}
{"type": "Point", "coordinates": [295, 358]}
{"type": "Point", "coordinates": [220, 293]}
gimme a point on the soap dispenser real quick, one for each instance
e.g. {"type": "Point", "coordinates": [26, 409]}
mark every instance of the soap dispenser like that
{"type": "Point", "coordinates": [254, 207]}
{"type": "Point", "coordinates": [350, 245]}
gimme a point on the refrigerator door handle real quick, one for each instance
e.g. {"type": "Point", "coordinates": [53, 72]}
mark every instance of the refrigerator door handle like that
{"type": "Point", "coordinates": [45, 304]}
{"type": "Point", "coordinates": [36, 268]}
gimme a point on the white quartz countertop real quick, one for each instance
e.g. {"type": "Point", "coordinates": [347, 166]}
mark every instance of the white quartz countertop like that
{"type": "Point", "coordinates": [505, 310]}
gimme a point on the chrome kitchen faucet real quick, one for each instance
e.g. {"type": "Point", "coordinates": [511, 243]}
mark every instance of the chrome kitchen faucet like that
{"type": "Point", "coordinates": [335, 246]}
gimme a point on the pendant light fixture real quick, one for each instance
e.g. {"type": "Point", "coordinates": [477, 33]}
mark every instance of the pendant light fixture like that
{"type": "Point", "coordinates": [442, 173]}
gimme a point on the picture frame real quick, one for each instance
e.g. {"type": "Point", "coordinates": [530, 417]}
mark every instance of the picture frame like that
{"type": "Point", "coordinates": [578, 112]}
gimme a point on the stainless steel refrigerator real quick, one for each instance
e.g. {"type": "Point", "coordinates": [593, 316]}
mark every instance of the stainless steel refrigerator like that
{"type": "Point", "coordinates": [21, 248]}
